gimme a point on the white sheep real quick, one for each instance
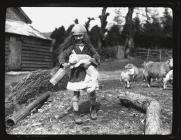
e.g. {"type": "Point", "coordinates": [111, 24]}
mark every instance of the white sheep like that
{"type": "Point", "coordinates": [167, 78]}
{"type": "Point", "coordinates": [126, 76]}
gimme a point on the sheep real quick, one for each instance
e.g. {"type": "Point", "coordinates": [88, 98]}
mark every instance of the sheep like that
{"type": "Point", "coordinates": [167, 78]}
{"type": "Point", "coordinates": [126, 76]}
{"type": "Point", "coordinates": [157, 70]}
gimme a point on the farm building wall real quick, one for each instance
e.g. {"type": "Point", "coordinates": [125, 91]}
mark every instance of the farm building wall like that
{"type": "Point", "coordinates": [35, 53]}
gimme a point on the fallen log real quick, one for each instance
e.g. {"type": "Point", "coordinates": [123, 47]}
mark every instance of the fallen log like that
{"type": "Point", "coordinates": [27, 110]}
{"type": "Point", "coordinates": [147, 105]}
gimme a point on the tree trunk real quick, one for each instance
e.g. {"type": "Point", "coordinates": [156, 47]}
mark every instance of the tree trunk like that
{"type": "Point", "coordinates": [146, 105]}
{"type": "Point", "coordinates": [103, 18]}
{"type": "Point", "coordinates": [128, 27]}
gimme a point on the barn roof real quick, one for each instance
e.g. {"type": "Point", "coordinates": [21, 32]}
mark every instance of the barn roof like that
{"type": "Point", "coordinates": [21, 28]}
{"type": "Point", "coordinates": [23, 14]}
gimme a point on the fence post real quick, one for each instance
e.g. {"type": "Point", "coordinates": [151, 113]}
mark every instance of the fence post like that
{"type": "Point", "coordinates": [160, 54]}
{"type": "Point", "coordinates": [148, 54]}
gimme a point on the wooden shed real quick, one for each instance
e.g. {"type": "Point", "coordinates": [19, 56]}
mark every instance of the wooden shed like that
{"type": "Point", "coordinates": [26, 49]}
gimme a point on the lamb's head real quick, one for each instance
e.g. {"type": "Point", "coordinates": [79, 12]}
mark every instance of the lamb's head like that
{"type": "Point", "coordinates": [170, 62]}
{"type": "Point", "coordinates": [73, 58]}
{"type": "Point", "coordinates": [129, 66]}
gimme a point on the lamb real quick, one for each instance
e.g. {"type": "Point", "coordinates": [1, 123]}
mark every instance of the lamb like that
{"type": "Point", "coordinates": [92, 75]}
{"type": "Point", "coordinates": [168, 78]}
{"type": "Point", "coordinates": [126, 76]}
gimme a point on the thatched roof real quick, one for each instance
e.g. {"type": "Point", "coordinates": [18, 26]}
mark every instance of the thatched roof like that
{"type": "Point", "coordinates": [21, 28]}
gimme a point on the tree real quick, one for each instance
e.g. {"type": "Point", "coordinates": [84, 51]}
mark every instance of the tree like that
{"type": "Point", "coordinates": [87, 24]}
{"type": "Point", "coordinates": [167, 22]}
{"type": "Point", "coordinates": [128, 32]}
{"type": "Point", "coordinates": [103, 30]}
{"type": "Point", "coordinates": [117, 18]}
{"type": "Point", "coordinates": [95, 36]}
{"type": "Point", "coordinates": [76, 21]}
{"type": "Point", "coordinates": [113, 37]}
{"type": "Point", "coordinates": [68, 31]}
{"type": "Point", "coordinates": [58, 36]}
{"type": "Point", "coordinates": [138, 35]}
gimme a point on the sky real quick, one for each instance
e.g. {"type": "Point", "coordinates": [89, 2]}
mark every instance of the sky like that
{"type": "Point", "coordinates": [46, 19]}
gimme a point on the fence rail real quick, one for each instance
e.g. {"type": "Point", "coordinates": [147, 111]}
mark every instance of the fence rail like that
{"type": "Point", "coordinates": [152, 54]}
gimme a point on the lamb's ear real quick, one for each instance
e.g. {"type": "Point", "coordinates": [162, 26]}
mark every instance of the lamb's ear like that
{"type": "Point", "coordinates": [73, 52]}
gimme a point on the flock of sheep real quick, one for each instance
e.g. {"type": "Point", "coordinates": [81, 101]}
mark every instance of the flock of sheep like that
{"type": "Point", "coordinates": [150, 71]}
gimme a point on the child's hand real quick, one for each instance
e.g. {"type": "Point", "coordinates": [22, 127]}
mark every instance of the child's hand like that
{"type": "Point", "coordinates": [65, 65]}
{"type": "Point", "coordinates": [85, 62]}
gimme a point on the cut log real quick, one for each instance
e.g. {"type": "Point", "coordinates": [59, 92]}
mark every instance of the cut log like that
{"type": "Point", "coordinates": [27, 110]}
{"type": "Point", "coordinates": [147, 105]}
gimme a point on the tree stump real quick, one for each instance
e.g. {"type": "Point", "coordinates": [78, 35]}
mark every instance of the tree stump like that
{"type": "Point", "coordinates": [147, 105]}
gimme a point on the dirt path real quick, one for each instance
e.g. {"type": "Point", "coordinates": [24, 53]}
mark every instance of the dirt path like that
{"type": "Point", "coordinates": [112, 117]}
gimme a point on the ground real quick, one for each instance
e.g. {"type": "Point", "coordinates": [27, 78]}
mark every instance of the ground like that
{"type": "Point", "coordinates": [112, 117]}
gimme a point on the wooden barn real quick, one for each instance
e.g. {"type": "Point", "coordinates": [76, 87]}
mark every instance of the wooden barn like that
{"type": "Point", "coordinates": [26, 49]}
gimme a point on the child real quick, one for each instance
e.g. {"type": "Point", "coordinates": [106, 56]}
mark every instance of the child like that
{"type": "Point", "coordinates": [84, 71]}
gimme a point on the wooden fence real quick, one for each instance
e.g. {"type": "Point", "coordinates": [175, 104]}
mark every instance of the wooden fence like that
{"type": "Point", "coordinates": [152, 54]}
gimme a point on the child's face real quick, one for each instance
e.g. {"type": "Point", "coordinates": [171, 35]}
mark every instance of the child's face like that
{"type": "Point", "coordinates": [78, 38]}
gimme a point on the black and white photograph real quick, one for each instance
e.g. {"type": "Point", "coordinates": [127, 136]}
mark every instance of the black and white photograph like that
{"type": "Point", "coordinates": [88, 70]}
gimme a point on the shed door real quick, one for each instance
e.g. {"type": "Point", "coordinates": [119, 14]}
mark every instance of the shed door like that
{"type": "Point", "coordinates": [14, 61]}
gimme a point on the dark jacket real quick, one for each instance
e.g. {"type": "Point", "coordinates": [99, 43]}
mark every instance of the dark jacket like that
{"type": "Point", "coordinates": [78, 74]}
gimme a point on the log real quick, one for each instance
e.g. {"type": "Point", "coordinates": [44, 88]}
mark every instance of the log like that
{"type": "Point", "coordinates": [147, 105]}
{"type": "Point", "coordinates": [26, 111]}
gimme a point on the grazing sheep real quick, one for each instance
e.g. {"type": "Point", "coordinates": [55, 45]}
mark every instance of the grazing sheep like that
{"type": "Point", "coordinates": [126, 76]}
{"type": "Point", "coordinates": [138, 73]}
{"type": "Point", "coordinates": [157, 70]}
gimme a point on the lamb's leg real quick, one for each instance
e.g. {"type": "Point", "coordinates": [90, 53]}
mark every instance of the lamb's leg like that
{"type": "Point", "coordinates": [149, 81]}
{"type": "Point", "coordinates": [128, 84]}
{"type": "Point", "coordinates": [165, 83]}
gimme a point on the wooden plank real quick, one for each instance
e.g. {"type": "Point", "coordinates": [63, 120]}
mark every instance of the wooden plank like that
{"type": "Point", "coordinates": [35, 49]}
{"type": "Point", "coordinates": [36, 59]}
{"type": "Point", "coordinates": [37, 46]}
{"type": "Point", "coordinates": [35, 56]}
{"type": "Point", "coordinates": [36, 52]}
{"type": "Point", "coordinates": [36, 63]}
{"type": "Point", "coordinates": [46, 47]}
{"type": "Point", "coordinates": [26, 41]}
{"type": "Point", "coordinates": [15, 54]}
{"type": "Point", "coordinates": [35, 67]}
{"type": "Point", "coordinates": [32, 69]}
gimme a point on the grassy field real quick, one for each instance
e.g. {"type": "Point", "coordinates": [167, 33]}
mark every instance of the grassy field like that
{"type": "Point", "coordinates": [112, 117]}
